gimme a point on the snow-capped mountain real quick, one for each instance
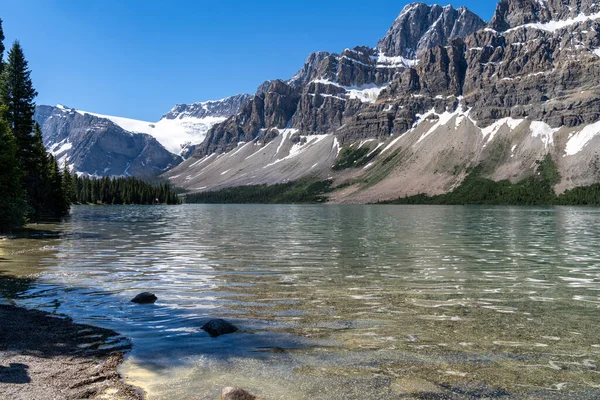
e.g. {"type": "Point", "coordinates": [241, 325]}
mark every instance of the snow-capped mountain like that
{"type": "Point", "coordinates": [185, 124]}
{"type": "Point", "coordinates": [442, 92]}
{"type": "Point", "coordinates": [98, 144]}
{"type": "Point", "coordinates": [92, 145]}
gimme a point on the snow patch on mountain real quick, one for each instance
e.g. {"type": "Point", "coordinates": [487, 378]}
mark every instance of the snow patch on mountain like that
{"type": "Point", "coordinates": [61, 147]}
{"type": "Point", "coordinates": [384, 61]}
{"type": "Point", "coordinates": [173, 134]}
{"type": "Point", "coordinates": [579, 140]}
{"type": "Point", "coordinates": [543, 131]}
{"type": "Point", "coordinates": [554, 26]}
{"type": "Point", "coordinates": [365, 93]}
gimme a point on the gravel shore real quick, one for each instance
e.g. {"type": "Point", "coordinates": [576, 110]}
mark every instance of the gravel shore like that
{"type": "Point", "coordinates": [44, 356]}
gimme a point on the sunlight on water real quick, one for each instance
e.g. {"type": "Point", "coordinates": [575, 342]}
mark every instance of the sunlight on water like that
{"type": "Point", "coordinates": [364, 302]}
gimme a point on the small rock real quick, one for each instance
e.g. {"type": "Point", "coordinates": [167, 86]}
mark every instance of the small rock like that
{"type": "Point", "coordinates": [415, 386]}
{"type": "Point", "coordinates": [145, 298]}
{"type": "Point", "coordinates": [218, 327]}
{"type": "Point", "coordinates": [231, 393]}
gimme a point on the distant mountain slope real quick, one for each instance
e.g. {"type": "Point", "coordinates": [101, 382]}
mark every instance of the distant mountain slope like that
{"type": "Point", "coordinates": [441, 93]}
{"type": "Point", "coordinates": [185, 124]}
{"type": "Point", "coordinates": [97, 146]}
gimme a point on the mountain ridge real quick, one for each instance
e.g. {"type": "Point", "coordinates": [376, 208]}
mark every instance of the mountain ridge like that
{"type": "Point", "coordinates": [65, 132]}
{"type": "Point", "coordinates": [331, 88]}
{"type": "Point", "coordinates": [531, 83]}
{"type": "Point", "coordinates": [441, 92]}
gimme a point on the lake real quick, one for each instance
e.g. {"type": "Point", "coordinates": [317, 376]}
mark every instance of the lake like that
{"type": "Point", "coordinates": [333, 301]}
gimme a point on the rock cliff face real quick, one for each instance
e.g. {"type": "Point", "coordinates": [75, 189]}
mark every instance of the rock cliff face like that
{"type": "Point", "coordinates": [440, 93]}
{"type": "Point", "coordinates": [330, 90]}
{"type": "Point", "coordinates": [97, 146]}
{"type": "Point", "coordinates": [547, 71]}
{"type": "Point", "coordinates": [514, 13]}
{"type": "Point", "coordinates": [217, 109]}
{"type": "Point", "coordinates": [537, 59]}
{"type": "Point", "coordinates": [420, 27]}
{"type": "Point", "coordinates": [273, 108]}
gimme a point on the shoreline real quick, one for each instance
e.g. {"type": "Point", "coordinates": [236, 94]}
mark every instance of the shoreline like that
{"type": "Point", "coordinates": [44, 355]}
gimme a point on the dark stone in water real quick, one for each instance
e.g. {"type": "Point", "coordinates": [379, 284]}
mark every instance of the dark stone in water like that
{"type": "Point", "coordinates": [218, 327]}
{"type": "Point", "coordinates": [231, 393]}
{"type": "Point", "coordinates": [145, 298]}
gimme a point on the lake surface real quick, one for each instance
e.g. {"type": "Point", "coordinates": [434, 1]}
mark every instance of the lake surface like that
{"type": "Point", "coordinates": [334, 302]}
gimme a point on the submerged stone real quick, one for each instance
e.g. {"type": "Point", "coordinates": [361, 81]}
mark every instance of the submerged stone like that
{"type": "Point", "coordinates": [145, 298]}
{"type": "Point", "coordinates": [416, 386]}
{"type": "Point", "coordinates": [231, 393]}
{"type": "Point", "coordinates": [218, 327]}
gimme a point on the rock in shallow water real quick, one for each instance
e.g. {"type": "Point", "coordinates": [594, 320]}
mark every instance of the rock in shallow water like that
{"type": "Point", "coordinates": [231, 393]}
{"type": "Point", "coordinates": [145, 298]}
{"type": "Point", "coordinates": [218, 327]}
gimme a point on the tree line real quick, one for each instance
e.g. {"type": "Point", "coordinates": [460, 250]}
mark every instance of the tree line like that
{"type": "Point", "coordinates": [121, 190]}
{"type": "Point", "coordinates": [302, 191]}
{"type": "Point", "coordinates": [31, 182]}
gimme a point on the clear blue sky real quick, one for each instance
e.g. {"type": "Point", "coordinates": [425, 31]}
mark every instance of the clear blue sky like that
{"type": "Point", "coordinates": [137, 59]}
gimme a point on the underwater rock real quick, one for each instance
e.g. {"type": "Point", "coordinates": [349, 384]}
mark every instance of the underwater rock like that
{"type": "Point", "coordinates": [218, 327]}
{"type": "Point", "coordinates": [144, 298]}
{"type": "Point", "coordinates": [231, 393]}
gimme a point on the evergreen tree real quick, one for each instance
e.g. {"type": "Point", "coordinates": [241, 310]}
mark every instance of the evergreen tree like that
{"type": "Point", "coordinates": [56, 204]}
{"type": "Point", "coordinates": [38, 184]}
{"type": "Point", "coordinates": [128, 190]}
{"type": "Point", "coordinates": [38, 152]}
{"type": "Point", "coordinates": [13, 207]}
{"type": "Point", "coordinates": [41, 177]}
{"type": "Point", "coordinates": [67, 187]}
{"type": "Point", "coordinates": [17, 92]}
{"type": "Point", "coordinates": [1, 46]}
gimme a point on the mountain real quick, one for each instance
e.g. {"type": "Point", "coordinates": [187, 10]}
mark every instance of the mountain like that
{"type": "Point", "coordinates": [420, 27]}
{"type": "Point", "coordinates": [441, 93]}
{"type": "Point", "coordinates": [332, 88]}
{"type": "Point", "coordinates": [92, 145]}
{"type": "Point", "coordinates": [99, 144]}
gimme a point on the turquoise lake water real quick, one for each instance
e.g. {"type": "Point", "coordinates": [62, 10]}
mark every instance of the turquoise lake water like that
{"type": "Point", "coordinates": [333, 302]}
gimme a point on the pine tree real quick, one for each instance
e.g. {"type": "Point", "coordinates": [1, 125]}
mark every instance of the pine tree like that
{"type": "Point", "coordinates": [67, 187]}
{"type": "Point", "coordinates": [57, 204]}
{"type": "Point", "coordinates": [17, 92]}
{"type": "Point", "coordinates": [13, 207]}
{"type": "Point", "coordinates": [1, 46]}
{"type": "Point", "coordinates": [38, 152]}
{"type": "Point", "coordinates": [41, 178]}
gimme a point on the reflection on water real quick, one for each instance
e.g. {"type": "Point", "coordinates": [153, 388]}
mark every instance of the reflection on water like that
{"type": "Point", "coordinates": [333, 301]}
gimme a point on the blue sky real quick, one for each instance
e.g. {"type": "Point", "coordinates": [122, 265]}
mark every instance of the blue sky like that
{"type": "Point", "coordinates": [139, 58]}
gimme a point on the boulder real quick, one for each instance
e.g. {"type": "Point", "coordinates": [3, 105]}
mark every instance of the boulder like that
{"type": "Point", "coordinates": [218, 327]}
{"type": "Point", "coordinates": [144, 298]}
{"type": "Point", "coordinates": [231, 393]}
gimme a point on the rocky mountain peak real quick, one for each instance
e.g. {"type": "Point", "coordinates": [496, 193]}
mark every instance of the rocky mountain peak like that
{"type": "Point", "coordinates": [215, 108]}
{"type": "Point", "coordinates": [513, 13]}
{"type": "Point", "coordinates": [420, 26]}
{"type": "Point", "coordinates": [310, 68]}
